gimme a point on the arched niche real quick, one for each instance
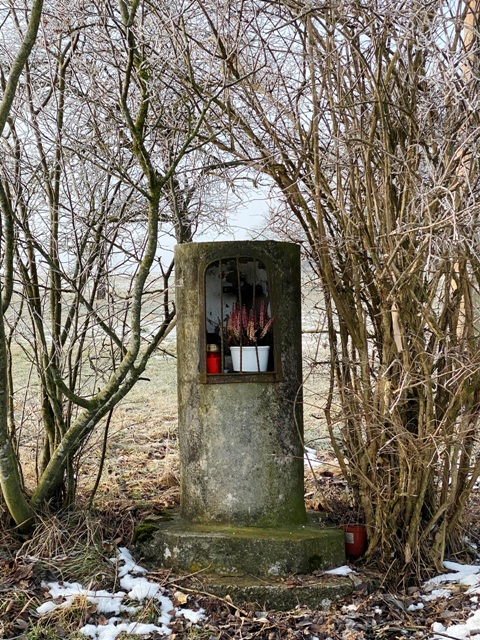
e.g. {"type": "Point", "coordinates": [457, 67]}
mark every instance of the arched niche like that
{"type": "Point", "coordinates": [238, 310]}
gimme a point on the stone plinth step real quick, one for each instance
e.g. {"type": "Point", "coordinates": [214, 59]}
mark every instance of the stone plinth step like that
{"type": "Point", "coordinates": [268, 595]}
{"type": "Point", "coordinates": [271, 552]}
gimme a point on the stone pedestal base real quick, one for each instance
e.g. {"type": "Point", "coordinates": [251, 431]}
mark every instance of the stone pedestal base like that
{"type": "Point", "coordinates": [266, 594]}
{"type": "Point", "coordinates": [259, 552]}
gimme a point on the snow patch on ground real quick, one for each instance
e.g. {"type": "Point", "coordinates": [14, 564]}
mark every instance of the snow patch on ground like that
{"type": "Point", "coordinates": [136, 588]}
{"type": "Point", "coordinates": [461, 574]}
{"type": "Point", "coordinates": [310, 458]}
{"type": "Point", "coordinates": [340, 571]}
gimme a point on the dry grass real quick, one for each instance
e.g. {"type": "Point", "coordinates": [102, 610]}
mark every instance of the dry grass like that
{"type": "Point", "coordinates": [143, 433]}
{"type": "Point", "coordinates": [140, 478]}
{"type": "Point", "coordinates": [72, 546]}
{"type": "Point", "coordinates": [68, 547]}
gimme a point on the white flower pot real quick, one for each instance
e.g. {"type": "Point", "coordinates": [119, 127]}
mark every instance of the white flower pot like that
{"type": "Point", "coordinates": [249, 358]}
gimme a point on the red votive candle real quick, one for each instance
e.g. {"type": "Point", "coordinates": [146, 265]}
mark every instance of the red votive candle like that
{"type": "Point", "coordinates": [213, 358]}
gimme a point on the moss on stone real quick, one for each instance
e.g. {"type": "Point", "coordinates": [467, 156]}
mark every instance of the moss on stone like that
{"type": "Point", "coordinates": [145, 531]}
{"type": "Point", "coordinates": [258, 551]}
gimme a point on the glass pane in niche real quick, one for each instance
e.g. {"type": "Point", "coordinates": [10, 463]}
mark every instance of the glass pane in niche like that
{"type": "Point", "coordinates": [238, 285]}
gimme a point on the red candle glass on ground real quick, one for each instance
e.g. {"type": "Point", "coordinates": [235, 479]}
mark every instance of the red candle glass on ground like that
{"type": "Point", "coordinates": [213, 358]}
{"type": "Point", "coordinates": [355, 540]}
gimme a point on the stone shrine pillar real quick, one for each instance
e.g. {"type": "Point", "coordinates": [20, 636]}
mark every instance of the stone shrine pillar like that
{"type": "Point", "coordinates": [239, 361]}
{"type": "Point", "coordinates": [240, 432]}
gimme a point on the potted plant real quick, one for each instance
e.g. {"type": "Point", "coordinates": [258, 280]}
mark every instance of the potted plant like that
{"type": "Point", "coordinates": [247, 335]}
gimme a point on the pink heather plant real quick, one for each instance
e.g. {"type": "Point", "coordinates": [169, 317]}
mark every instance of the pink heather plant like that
{"type": "Point", "coordinates": [247, 328]}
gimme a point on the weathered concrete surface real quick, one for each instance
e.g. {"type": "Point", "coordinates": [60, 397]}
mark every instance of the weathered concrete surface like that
{"type": "Point", "coordinates": [241, 455]}
{"type": "Point", "coordinates": [299, 549]}
{"type": "Point", "coordinates": [244, 466]}
{"type": "Point", "coordinates": [268, 595]}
